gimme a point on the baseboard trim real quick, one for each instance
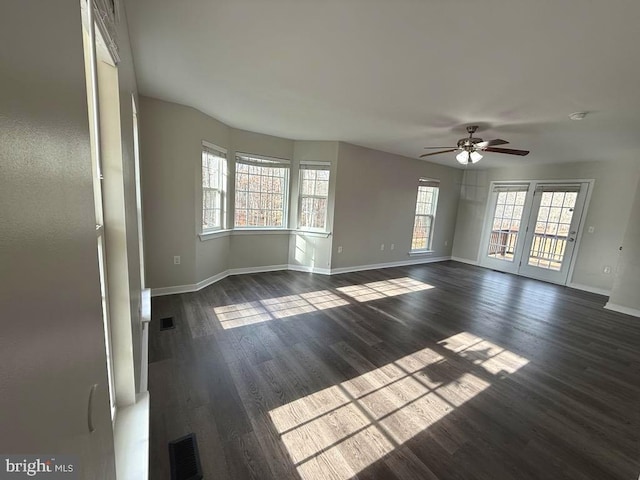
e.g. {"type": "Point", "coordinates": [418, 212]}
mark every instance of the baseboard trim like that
{"type": "Point", "coordinates": [590, 289]}
{"type": "Point", "coordinates": [634, 312]}
{"type": "Point", "coordinates": [159, 292]}
{"type": "Point", "coordinates": [307, 269]}
{"type": "Point", "coordinates": [266, 268]}
{"type": "Point", "coordinates": [376, 266]}
{"type": "Point", "coordinates": [465, 260]}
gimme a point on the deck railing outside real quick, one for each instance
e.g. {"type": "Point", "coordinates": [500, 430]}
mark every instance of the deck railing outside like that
{"type": "Point", "coordinates": [545, 246]}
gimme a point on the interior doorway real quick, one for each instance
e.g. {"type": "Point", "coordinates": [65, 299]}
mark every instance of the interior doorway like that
{"type": "Point", "coordinates": [533, 228]}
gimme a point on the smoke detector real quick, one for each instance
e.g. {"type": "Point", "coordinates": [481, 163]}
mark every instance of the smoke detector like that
{"type": "Point", "coordinates": [578, 115]}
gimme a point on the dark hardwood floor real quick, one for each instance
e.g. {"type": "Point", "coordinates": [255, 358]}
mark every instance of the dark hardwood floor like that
{"type": "Point", "coordinates": [442, 371]}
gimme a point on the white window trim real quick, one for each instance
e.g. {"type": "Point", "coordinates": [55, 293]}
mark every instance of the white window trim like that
{"type": "Point", "coordinates": [426, 182]}
{"type": "Point", "coordinates": [204, 236]}
{"type": "Point", "coordinates": [246, 158]}
{"type": "Point", "coordinates": [313, 165]}
{"type": "Point", "coordinates": [312, 233]}
{"type": "Point", "coordinates": [417, 253]}
{"type": "Point", "coordinates": [215, 149]}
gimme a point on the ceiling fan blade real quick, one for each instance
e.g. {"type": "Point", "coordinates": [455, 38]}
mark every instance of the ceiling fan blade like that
{"type": "Point", "coordinates": [438, 153]}
{"type": "Point", "coordinates": [509, 151]}
{"type": "Point", "coordinates": [491, 143]}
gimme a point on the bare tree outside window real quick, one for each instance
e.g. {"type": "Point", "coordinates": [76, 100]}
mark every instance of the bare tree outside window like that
{"type": "Point", "coordinates": [314, 195]}
{"type": "Point", "coordinates": [261, 192]}
{"type": "Point", "coordinates": [213, 188]}
{"type": "Point", "coordinates": [426, 205]}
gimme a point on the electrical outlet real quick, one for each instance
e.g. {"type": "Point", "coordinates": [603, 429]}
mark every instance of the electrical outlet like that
{"type": "Point", "coordinates": [591, 229]}
{"type": "Point", "coordinates": [607, 269]}
{"type": "Point", "coordinates": [446, 242]}
{"type": "Point", "coordinates": [340, 249]}
{"type": "Point", "coordinates": [393, 246]}
{"type": "Point", "coordinates": [176, 260]}
{"type": "Point", "coordinates": [381, 247]}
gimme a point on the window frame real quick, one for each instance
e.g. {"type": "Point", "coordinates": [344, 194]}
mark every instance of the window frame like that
{"type": "Point", "coordinates": [320, 166]}
{"type": "Point", "coordinates": [426, 183]}
{"type": "Point", "coordinates": [221, 154]}
{"type": "Point", "coordinates": [268, 162]}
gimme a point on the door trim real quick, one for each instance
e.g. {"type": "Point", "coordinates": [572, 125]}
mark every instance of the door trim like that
{"type": "Point", "coordinates": [532, 185]}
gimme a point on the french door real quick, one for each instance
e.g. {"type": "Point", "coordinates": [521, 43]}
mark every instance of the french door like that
{"type": "Point", "coordinates": [532, 228]}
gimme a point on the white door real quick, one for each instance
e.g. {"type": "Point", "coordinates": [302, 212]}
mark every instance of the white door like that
{"type": "Point", "coordinates": [533, 227]}
{"type": "Point", "coordinates": [508, 216]}
{"type": "Point", "coordinates": [552, 231]}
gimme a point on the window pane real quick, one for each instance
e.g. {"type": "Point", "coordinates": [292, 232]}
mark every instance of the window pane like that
{"type": "Point", "coordinates": [212, 189]}
{"type": "Point", "coordinates": [314, 192]}
{"type": "Point", "coordinates": [426, 204]}
{"type": "Point", "coordinates": [260, 195]}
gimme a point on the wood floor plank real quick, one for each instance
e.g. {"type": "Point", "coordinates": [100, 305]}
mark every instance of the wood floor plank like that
{"type": "Point", "coordinates": [441, 371]}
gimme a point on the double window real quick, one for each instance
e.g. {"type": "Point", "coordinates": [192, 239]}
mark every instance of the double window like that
{"type": "Point", "coordinates": [261, 192]}
{"type": "Point", "coordinates": [426, 205]}
{"type": "Point", "coordinates": [314, 195]}
{"type": "Point", "coordinates": [214, 173]}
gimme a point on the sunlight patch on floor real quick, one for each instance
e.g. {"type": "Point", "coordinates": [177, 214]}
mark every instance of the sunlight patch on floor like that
{"type": "Point", "coordinates": [341, 430]}
{"type": "Point", "coordinates": [243, 314]}
{"type": "Point", "coordinates": [384, 288]}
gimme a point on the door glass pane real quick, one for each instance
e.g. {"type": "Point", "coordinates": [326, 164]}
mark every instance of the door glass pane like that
{"type": "Point", "coordinates": [506, 225]}
{"type": "Point", "coordinates": [552, 230]}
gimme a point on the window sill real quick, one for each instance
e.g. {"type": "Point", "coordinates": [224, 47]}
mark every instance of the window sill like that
{"type": "Point", "coordinates": [244, 231]}
{"type": "Point", "coordinates": [131, 439]}
{"type": "Point", "coordinates": [312, 233]}
{"type": "Point", "coordinates": [214, 234]}
{"type": "Point", "coordinates": [417, 253]}
{"type": "Point", "coordinates": [261, 231]}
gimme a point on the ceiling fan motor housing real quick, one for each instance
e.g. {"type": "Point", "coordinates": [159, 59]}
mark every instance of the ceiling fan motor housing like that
{"type": "Point", "coordinates": [468, 143]}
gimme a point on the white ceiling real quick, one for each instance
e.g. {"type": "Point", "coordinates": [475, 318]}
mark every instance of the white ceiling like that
{"type": "Point", "coordinates": [398, 75]}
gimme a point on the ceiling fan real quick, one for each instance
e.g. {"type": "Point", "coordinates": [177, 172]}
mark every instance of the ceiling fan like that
{"type": "Point", "coordinates": [471, 147]}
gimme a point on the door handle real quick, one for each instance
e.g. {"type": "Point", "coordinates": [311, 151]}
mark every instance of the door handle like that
{"type": "Point", "coordinates": [571, 239]}
{"type": "Point", "coordinates": [90, 408]}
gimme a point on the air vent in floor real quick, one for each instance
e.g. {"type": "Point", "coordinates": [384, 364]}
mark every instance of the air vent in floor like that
{"type": "Point", "coordinates": [167, 323]}
{"type": "Point", "coordinates": [185, 459]}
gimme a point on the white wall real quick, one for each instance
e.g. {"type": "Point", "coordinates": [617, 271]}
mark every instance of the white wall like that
{"type": "Point", "coordinates": [171, 138]}
{"type": "Point", "coordinates": [625, 294]}
{"type": "Point", "coordinates": [52, 344]}
{"type": "Point", "coordinates": [375, 204]}
{"type": "Point", "coordinates": [609, 210]}
{"type": "Point", "coordinates": [372, 199]}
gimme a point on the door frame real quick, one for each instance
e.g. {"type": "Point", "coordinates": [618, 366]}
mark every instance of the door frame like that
{"type": "Point", "coordinates": [486, 228]}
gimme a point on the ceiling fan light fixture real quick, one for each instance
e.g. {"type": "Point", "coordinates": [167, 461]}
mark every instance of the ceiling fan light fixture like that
{"type": "Point", "coordinates": [463, 157]}
{"type": "Point", "coordinates": [475, 157]}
